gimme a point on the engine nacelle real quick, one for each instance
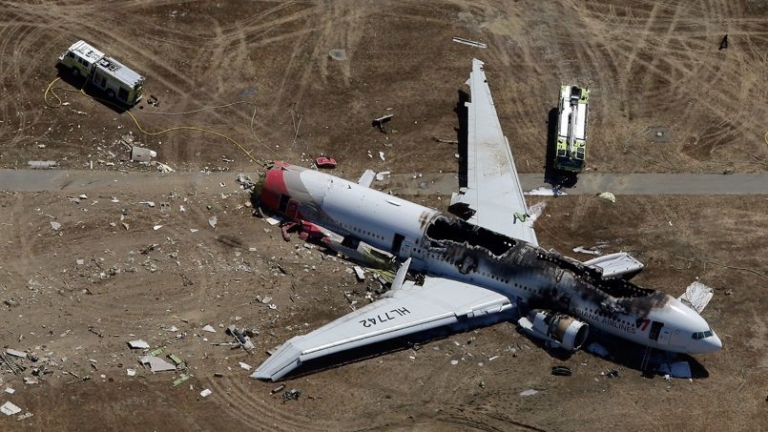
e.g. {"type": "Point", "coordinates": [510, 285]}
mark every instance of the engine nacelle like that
{"type": "Point", "coordinates": [562, 330]}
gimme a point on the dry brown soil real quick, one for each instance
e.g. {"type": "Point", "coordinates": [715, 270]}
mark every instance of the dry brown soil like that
{"type": "Point", "coordinates": [648, 63]}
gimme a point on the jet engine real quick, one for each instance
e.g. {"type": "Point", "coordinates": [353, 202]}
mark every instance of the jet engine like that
{"type": "Point", "coordinates": [564, 331]}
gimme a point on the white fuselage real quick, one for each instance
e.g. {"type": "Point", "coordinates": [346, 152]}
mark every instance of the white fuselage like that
{"type": "Point", "coordinates": [445, 246]}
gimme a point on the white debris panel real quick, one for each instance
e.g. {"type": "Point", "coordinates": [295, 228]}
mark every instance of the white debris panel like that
{"type": "Point", "coordinates": [697, 296]}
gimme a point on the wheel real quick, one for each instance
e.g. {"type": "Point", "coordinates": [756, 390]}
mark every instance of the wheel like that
{"type": "Point", "coordinates": [75, 72]}
{"type": "Point", "coordinates": [111, 94]}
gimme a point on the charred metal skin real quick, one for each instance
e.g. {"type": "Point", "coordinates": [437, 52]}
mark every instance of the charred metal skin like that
{"type": "Point", "coordinates": [446, 246]}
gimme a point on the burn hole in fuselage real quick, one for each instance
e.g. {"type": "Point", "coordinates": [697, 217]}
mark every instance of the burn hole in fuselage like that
{"type": "Point", "coordinates": [459, 231]}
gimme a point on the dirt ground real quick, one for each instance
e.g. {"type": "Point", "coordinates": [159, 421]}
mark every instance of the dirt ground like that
{"type": "Point", "coordinates": [650, 65]}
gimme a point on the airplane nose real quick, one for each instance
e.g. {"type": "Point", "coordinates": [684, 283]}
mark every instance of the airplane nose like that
{"type": "Point", "coordinates": [710, 344]}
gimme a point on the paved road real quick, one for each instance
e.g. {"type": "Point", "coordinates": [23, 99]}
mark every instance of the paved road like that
{"type": "Point", "coordinates": [618, 184]}
{"type": "Point", "coordinates": [445, 184]}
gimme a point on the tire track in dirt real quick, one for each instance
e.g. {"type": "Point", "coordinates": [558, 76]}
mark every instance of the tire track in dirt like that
{"type": "Point", "coordinates": [237, 398]}
{"type": "Point", "coordinates": [669, 53]}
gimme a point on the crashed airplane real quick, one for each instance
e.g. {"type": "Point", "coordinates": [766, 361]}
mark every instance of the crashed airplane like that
{"type": "Point", "coordinates": [484, 265]}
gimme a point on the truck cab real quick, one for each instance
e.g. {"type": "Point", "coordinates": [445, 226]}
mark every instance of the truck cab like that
{"type": "Point", "coordinates": [80, 58]}
{"type": "Point", "coordinates": [571, 141]}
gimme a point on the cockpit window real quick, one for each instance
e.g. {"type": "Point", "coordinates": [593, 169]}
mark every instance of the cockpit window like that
{"type": "Point", "coordinates": [702, 335]}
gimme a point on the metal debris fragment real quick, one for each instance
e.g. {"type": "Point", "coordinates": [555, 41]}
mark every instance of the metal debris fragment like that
{"type": "Point", "coordinates": [16, 353]}
{"type": "Point", "coordinates": [156, 364]}
{"type": "Point", "coordinates": [608, 196]}
{"type": "Point", "coordinates": [469, 42]}
{"type": "Point", "coordinates": [138, 344]}
{"type": "Point", "coordinates": [290, 395]}
{"type": "Point", "coordinates": [9, 409]}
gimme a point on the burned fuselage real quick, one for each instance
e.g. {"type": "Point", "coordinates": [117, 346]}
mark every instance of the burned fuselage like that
{"type": "Point", "coordinates": [536, 278]}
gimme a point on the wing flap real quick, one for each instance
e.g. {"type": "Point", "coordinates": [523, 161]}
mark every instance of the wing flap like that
{"type": "Point", "coordinates": [405, 311]}
{"type": "Point", "coordinates": [616, 264]}
{"type": "Point", "coordinates": [493, 189]}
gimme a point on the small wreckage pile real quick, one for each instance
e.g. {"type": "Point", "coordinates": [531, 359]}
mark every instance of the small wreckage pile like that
{"type": "Point", "coordinates": [153, 360]}
{"type": "Point", "coordinates": [14, 360]}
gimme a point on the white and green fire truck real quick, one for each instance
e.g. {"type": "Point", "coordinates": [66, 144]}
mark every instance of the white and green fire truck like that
{"type": "Point", "coordinates": [571, 144]}
{"type": "Point", "coordinates": [114, 78]}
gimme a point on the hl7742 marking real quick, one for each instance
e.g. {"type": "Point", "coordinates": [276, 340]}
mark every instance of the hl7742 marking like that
{"type": "Point", "coordinates": [388, 316]}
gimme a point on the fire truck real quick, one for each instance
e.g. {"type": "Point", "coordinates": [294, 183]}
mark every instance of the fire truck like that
{"type": "Point", "coordinates": [571, 144]}
{"type": "Point", "coordinates": [105, 73]}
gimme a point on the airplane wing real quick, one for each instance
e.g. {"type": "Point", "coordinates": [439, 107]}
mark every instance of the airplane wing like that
{"type": "Point", "coordinates": [404, 311]}
{"type": "Point", "coordinates": [493, 190]}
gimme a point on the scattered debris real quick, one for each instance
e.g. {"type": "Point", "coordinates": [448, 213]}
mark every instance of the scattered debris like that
{"type": "Point", "coordinates": [55, 226]}
{"type": "Point", "coordinates": [24, 416]}
{"type": "Point", "coordinates": [157, 227]}
{"type": "Point", "coordinates": [212, 221]}
{"type": "Point", "coordinates": [157, 351]}
{"type": "Point", "coordinates": [130, 372]}
{"type": "Point", "coordinates": [10, 390]}
{"type": "Point", "coordinates": [156, 364]}
{"type": "Point", "coordinates": [175, 359]}
{"type": "Point", "coordinates": [325, 162]}
{"type": "Point", "coordinates": [278, 389]}
{"type": "Point", "coordinates": [580, 249]}
{"type": "Point", "coordinates": [245, 366]}
{"type": "Point", "coordinates": [16, 353]}
{"type": "Point", "coordinates": [613, 373]}
{"type": "Point", "coordinates": [163, 168]}
{"type": "Point", "coordinates": [338, 54]}
{"type": "Point", "coordinates": [359, 273]}
{"type": "Point", "coordinates": [384, 175]}
{"type": "Point", "coordinates": [561, 371]}
{"type": "Point", "coordinates": [697, 296]}
{"type": "Point", "coordinates": [454, 362]}
{"type": "Point", "coordinates": [529, 392]}
{"type": "Point", "coordinates": [608, 196]}
{"type": "Point", "coordinates": [381, 122]}
{"type": "Point", "coordinates": [140, 154]}
{"type": "Point", "coordinates": [544, 191]}
{"type": "Point", "coordinates": [42, 164]}
{"type": "Point", "coordinates": [148, 203]}
{"type": "Point", "coordinates": [205, 393]}
{"type": "Point", "coordinates": [469, 42]}
{"type": "Point", "coordinates": [209, 328]}
{"type": "Point", "coordinates": [30, 380]}
{"type": "Point", "coordinates": [9, 409]}
{"type": "Point", "coordinates": [292, 394]}
{"type": "Point", "coordinates": [381, 156]}
{"type": "Point", "coordinates": [242, 337]}
{"type": "Point", "coordinates": [180, 380]}
{"type": "Point", "coordinates": [138, 344]}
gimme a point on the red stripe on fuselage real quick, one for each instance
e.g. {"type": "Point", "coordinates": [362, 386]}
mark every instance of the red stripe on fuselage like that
{"type": "Point", "coordinates": [274, 187]}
